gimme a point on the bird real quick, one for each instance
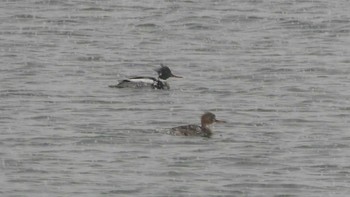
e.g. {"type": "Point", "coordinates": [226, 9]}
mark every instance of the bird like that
{"type": "Point", "coordinates": [202, 130]}
{"type": "Point", "coordinates": [163, 72]}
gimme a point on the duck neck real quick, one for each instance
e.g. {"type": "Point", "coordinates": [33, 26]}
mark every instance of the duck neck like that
{"type": "Point", "coordinates": [206, 132]}
{"type": "Point", "coordinates": [204, 125]}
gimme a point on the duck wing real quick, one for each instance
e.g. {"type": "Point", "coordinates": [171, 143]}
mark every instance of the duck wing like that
{"type": "Point", "coordinates": [186, 130]}
{"type": "Point", "coordinates": [136, 82]}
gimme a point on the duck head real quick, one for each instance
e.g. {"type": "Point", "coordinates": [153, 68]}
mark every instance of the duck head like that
{"type": "Point", "coordinates": [209, 118]}
{"type": "Point", "coordinates": [164, 73]}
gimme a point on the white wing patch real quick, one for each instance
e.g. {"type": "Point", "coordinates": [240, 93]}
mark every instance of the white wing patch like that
{"type": "Point", "coordinates": [150, 81]}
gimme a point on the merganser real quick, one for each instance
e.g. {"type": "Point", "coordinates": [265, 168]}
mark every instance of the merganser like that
{"type": "Point", "coordinates": [202, 130]}
{"type": "Point", "coordinates": [164, 73]}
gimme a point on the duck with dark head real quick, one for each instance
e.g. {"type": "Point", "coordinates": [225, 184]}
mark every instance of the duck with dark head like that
{"type": "Point", "coordinates": [202, 130]}
{"type": "Point", "coordinates": [164, 73]}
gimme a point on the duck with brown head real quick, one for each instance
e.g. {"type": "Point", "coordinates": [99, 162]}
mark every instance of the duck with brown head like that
{"type": "Point", "coordinates": [202, 130]}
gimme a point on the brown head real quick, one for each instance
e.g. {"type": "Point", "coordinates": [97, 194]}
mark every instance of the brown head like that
{"type": "Point", "coordinates": [209, 118]}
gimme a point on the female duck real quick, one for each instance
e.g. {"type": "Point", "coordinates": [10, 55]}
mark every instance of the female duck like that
{"type": "Point", "coordinates": [164, 73]}
{"type": "Point", "coordinates": [202, 130]}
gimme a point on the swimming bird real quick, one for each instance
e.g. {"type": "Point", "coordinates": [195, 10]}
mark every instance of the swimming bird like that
{"type": "Point", "coordinates": [164, 73]}
{"type": "Point", "coordinates": [202, 130]}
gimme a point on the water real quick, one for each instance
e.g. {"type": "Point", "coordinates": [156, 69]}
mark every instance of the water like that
{"type": "Point", "coordinates": [276, 71]}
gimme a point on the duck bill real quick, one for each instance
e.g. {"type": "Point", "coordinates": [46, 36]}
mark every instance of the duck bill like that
{"type": "Point", "coordinates": [220, 121]}
{"type": "Point", "coordinates": [172, 75]}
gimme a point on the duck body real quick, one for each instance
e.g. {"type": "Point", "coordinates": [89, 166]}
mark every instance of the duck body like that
{"type": "Point", "coordinates": [164, 73]}
{"type": "Point", "coordinates": [191, 130]}
{"type": "Point", "coordinates": [202, 130]}
{"type": "Point", "coordinates": [142, 82]}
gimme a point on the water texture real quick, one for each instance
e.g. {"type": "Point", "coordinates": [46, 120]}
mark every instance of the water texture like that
{"type": "Point", "coordinates": [276, 71]}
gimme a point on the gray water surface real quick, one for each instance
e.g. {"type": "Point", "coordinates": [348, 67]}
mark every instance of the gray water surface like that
{"type": "Point", "coordinates": [276, 71]}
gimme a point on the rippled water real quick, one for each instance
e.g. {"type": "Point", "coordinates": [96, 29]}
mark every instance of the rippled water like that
{"type": "Point", "coordinates": [277, 71]}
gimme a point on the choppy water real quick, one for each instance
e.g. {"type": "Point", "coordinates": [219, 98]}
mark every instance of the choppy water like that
{"type": "Point", "coordinates": [277, 71]}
